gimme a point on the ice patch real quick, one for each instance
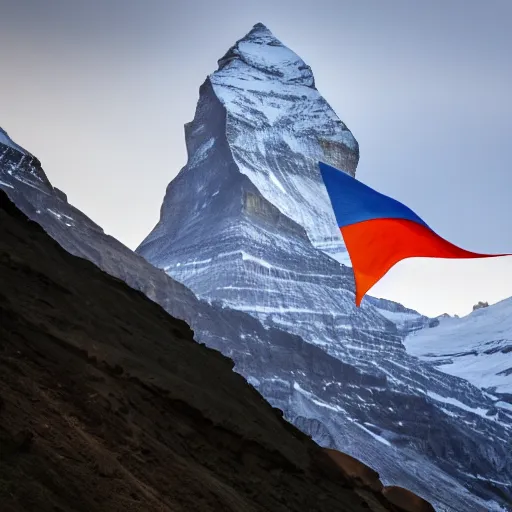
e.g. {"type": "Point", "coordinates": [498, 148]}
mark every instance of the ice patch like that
{"type": "Point", "coordinates": [6, 184]}
{"type": "Point", "coordinates": [276, 182]}
{"type": "Point", "coordinates": [398, 317]}
{"type": "Point", "coordinates": [316, 400]}
{"type": "Point", "coordinates": [504, 405]}
{"type": "Point", "coordinates": [201, 152]}
{"type": "Point", "coordinates": [259, 261]}
{"type": "Point", "coordinates": [253, 381]}
{"type": "Point", "coordinates": [456, 403]}
{"type": "Point", "coordinates": [375, 436]}
{"type": "Point", "coordinates": [55, 214]}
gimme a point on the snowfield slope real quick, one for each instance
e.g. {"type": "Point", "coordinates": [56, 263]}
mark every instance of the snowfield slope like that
{"type": "Point", "coordinates": [477, 347]}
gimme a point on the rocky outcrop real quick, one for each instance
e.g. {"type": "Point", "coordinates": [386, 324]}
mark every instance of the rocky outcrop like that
{"type": "Point", "coordinates": [365, 477]}
{"type": "Point", "coordinates": [407, 500]}
{"type": "Point", "coordinates": [480, 305]}
{"type": "Point", "coordinates": [356, 471]}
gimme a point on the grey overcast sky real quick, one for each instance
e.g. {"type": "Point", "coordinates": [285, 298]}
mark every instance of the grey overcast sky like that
{"type": "Point", "coordinates": [100, 90]}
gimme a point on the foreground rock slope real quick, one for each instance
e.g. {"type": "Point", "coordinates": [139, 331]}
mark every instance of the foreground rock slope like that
{"type": "Point", "coordinates": [108, 404]}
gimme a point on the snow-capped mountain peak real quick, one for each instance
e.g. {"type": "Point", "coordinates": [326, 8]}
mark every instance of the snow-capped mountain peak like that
{"type": "Point", "coordinates": [247, 225]}
{"type": "Point", "coordinates": [264, 53]}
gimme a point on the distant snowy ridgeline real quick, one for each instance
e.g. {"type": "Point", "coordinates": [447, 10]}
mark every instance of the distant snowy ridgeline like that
{"type": "Point", "coordinates": [477, 347]}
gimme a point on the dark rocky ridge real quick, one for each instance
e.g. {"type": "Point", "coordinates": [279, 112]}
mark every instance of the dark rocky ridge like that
{"type": "Point", "coordinates": [108, 404]}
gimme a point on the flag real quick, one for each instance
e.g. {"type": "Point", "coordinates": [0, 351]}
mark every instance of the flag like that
{"type": "Point", "coordinates": [380, 231]}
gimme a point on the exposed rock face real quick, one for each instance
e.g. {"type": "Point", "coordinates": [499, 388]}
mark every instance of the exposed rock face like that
{"type": "Point", "coordinates": [406, 500]}
{"type": "Point", "coordinates": [356, 470]}
{"type": "Point", "coordinates": [247, 225]}
{"type": "Point", "coordinates": [480, 305]}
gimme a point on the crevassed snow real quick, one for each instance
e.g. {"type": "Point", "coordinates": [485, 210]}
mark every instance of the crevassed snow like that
{"type": "Point", "coordinates": [477, 347]}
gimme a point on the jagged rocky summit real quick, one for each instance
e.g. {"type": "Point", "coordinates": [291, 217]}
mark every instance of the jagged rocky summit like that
{"type": "Point", "coordinates": [284, 306]}
{"type": "Point", "coordinates": [247, 225]}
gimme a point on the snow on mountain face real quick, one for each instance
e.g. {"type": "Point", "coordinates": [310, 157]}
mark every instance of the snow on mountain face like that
{"type": "Point", "coordinates": [477, 347]}
{"type": "Point", "coordinates": [247, 225]}
{"type": "Point", "coordinates": [8, 142]}
{"type": "Point", "coordinates": [406, 320]}
{"type": "Point", "coordinates": [261, 82]}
